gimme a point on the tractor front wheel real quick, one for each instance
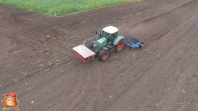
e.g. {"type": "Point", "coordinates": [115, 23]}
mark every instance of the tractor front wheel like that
{"type": "Point", "coordinates": [120, 45]}
{"type": "Point", "coordinates": [103, 54]}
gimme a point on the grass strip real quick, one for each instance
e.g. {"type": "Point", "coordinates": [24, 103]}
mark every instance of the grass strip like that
{"type": "Point", "coordinates": [61, 7]}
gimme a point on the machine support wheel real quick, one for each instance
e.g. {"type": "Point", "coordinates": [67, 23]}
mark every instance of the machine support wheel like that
{"type": "Point", "coordinates": [120, 45]}
{"type": "Point", "coordinates": [103, 54]}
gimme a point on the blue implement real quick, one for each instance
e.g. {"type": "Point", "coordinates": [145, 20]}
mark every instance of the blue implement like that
{"type": "Point", "coordinates": [135, 44]}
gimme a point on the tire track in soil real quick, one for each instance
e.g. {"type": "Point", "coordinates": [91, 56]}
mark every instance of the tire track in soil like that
{"type": "Point", "coordinates": [57, 87]}
{"type": "Point", "coordinates": [125, 83]}
{"type": "Point", "coordinates": [164, 28]}
{"type": "Point", "coordinates": [184, 99]}
{"type": "Point", "coordinates": [164, 24]}
{"type": "Point", "coordinates": [41, 74]}
{"type": "Point", "coordinates": [91, 101]}
{"type": "Point", "coordinates": [82, 92]}
{"type": "Point", "coordinates": [68, 98]}
{"type": "Point", "coordinates": [151, 87]}
{"type": "Point", "coordinates": [34, 71]}
{"type": "Point", "coordinates": [38, 84]}
{"type": "Point", "coordinates": [171, 99]}
{"type": "Point", "coordinates": [152, 63]}
{"type": "Point", "coordinates": [167, 83]}
{"type": "Point", "coordinates": [76, 89]}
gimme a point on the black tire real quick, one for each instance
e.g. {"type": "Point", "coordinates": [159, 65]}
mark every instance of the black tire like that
{"type": "Point", "coordinates": [103, 54]}
{"type": "Point", "coordinates": [120, 45]}
{"type": "Point", "coordinates": [90, 46]}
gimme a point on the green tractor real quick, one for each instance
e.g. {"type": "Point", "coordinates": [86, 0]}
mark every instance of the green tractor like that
{"type": "Point", "coordinates": [109, 41]}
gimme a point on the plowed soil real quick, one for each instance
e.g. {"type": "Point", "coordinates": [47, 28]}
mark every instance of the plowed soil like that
{"type": "Point", "coordinates": [37, 61]}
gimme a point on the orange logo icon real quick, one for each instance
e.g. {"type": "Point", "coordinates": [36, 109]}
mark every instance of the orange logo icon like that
{"type": "Point", "coordinates": [10, 101]}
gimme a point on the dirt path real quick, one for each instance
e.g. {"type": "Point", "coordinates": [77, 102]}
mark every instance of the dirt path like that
{"type": "Point", "coordinates": [37, 61]}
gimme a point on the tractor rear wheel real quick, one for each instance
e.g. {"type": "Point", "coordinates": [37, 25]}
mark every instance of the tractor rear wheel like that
{"type": "Point", "coordinates": [103, 54]}
{"type": "Point", "coordinates": [120, 45]}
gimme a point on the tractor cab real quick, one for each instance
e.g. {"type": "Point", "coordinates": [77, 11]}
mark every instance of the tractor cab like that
{"type": "Point", "coordinates": [110, 33]}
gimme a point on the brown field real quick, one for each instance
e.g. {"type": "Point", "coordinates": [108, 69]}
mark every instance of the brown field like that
{"type": "Point", "coordinates": [38, 63]}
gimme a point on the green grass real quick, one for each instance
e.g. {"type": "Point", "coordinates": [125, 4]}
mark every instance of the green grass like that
{"type": "Point", "coordinates": [60, 7]}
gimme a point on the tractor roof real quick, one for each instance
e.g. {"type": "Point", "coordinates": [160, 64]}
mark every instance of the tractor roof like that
{"type": "Point", "coordinates": [110, 29]}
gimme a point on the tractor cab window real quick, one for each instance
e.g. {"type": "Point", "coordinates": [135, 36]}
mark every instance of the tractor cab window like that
{"type": "Point", "coordinates": [110, 37]}
{"type": "Point", "coordinates": [105, 34]}
{"type": "Point", "coordinates": [114, 35]}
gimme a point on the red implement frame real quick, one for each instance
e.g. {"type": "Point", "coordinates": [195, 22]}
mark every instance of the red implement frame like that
{"type": "Point", "coordinates": [85, 60]}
